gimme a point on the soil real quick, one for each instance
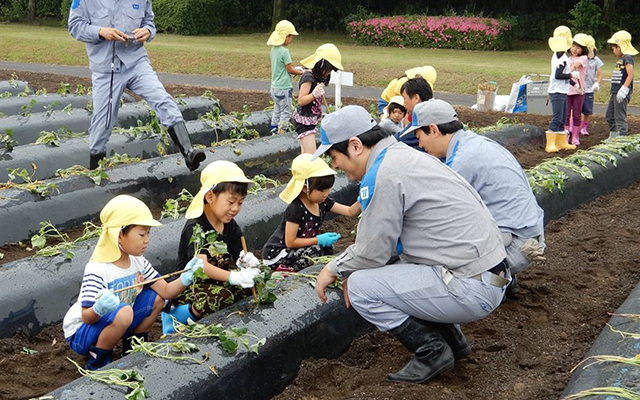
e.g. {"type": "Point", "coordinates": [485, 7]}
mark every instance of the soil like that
{"type": "Point", "coordinates": [524, 350]}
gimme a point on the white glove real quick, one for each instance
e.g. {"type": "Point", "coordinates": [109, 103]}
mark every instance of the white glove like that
{"type": "Point", "coordinates": [595, 87]}
{"type": "Point", "coordinates": [622, 94]}
{"type": "Point", "coordinates": [576, 78]}
{"type": "Point", "coordinates": [244, 277]}
{"type": "Point", "coordinates": [299, 68]}
{"type": "Point", "coordinates": [247, 260]}
{"type": "Point", "coordinates": [532, 250]}
{"type": "Point", "coordinates": [318, 91]}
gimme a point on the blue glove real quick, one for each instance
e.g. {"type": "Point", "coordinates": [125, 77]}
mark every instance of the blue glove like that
{"type": "Point", "coordinates": [107, 302]}
{"type": "Point", "coordinates": [192, 266]}
{"type": "Point", "coordinates": [328, 239]}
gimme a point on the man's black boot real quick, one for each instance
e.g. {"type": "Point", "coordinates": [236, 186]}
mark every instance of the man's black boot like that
{"type": "Point", "coordinates": [180, 137]}
{"type": "Point", "coordinates": [94, 160]}
{"type": "Point", "coordinates": [513, 290]}
{"type": "Point", "coordinates": [432, 355]}
{"type": "Point", "coordinates": [452, 334]}
{"type": "Point", "coordinates": [98, 358]}
{"type": "Point", "coordinates": [126, 341]}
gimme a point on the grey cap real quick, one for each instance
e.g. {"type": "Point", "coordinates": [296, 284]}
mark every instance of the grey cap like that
{"type": "Point", "coordinates": [434, 111]}
{"type": "Point", "coordinates": [342, 125]}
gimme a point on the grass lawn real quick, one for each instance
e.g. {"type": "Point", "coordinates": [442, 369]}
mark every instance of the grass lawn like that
{"type": "Point", "coordinates": [247, 56]}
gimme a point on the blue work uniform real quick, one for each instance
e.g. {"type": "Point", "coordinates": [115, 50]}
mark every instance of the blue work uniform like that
{"type": "Point", "coordinates": [132, 67]}
{"type": "Point", "coordinates": [501, 183]}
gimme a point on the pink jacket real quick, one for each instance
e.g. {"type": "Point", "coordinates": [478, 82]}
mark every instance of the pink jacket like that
{"type": "Point", "coordinates": [581, 62]}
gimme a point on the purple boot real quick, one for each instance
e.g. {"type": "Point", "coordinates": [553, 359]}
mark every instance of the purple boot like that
{"type": "Point", "coordinates": [575, 135]}
{"type": "Point", "coordinates": [583, 129]}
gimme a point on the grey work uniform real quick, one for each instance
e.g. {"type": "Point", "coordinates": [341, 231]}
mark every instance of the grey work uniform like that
{"type": "Point", "coordinates": [132, 67]}
{"type": "Point", "coordinates": [501, 183]}
{"type": "Point", "coordinates": [418, 208]}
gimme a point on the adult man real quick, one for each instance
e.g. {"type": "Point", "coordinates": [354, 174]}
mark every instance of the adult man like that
{"type": "Point", "coordinates": [451, 265]}
{"type": "Point", "coordinates": [414, 91]}
{"type": "Point", "coordinates": [493, 172]}
{"type": "Point", "coordinates": [114, 33]}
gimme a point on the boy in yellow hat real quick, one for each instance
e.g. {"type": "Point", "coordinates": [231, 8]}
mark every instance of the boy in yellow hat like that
{"type": "Point", "coordinates": [621, 84]}
{"type": "Point", "coordinates": [393, 117]}
{"type": "Point", "coordinates": [214, 207]}
{"type": "Point", "coordinates": [100, 317]}
{"type": "Point", "coordinates": [327, 58]}
{"type": "Point", "coordinates": [281, 70]}
{"type": "Point", "coordinates": [559, 85]}
{"type": "Point", "coordinates": [298, 237]}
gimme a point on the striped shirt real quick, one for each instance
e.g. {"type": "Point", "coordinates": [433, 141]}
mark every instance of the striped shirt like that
{"type": "Point", "coordinates": [98, 276]}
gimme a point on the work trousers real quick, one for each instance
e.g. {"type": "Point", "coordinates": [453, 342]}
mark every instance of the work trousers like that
{"type": "Point", "coordinates": [616, 115]}
{"type": "Point", "coordinates": [282, 108]}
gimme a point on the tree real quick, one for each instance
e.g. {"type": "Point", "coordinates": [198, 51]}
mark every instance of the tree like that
{"type": "Point", "coordinates": [278, 12]}
{"type": "Point", "coordinates": [31, 10]}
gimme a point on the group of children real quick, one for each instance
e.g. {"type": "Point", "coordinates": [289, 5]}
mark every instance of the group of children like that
{"type": "Point", "coordinates": [576, 74]}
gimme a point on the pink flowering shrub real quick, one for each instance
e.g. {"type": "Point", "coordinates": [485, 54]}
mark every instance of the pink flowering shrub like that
{"type": "Point", "coordinates": [465, 33]}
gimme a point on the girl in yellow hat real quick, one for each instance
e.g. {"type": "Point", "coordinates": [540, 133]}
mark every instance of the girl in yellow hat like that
{"type": "Point", "coordinates": [219, 200]}
{"type": "Point", "coordinates": [100, 317]}
{"type": "Point", "coordinates": [298, 237]}
{"type": "Point", "coordinates": [578, 62]}
{"type": "Point", "coordinates": [281, 70]}
{"type": "Point", "coordinates": [593, 80]}
{"type": "Point", "coordinates": [312, 84]}
{"type": "Point", "coordinates": [621, 83]}
{"type": "Point", "coordinates": [394, 87]}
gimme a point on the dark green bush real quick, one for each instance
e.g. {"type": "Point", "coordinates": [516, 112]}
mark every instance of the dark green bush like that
{"type": "Point", "coordinates": [188, 17]}
{"type": "Point", "coordinates": [14, 10]}
{"type": "Point", "coordinates": [587, 17]}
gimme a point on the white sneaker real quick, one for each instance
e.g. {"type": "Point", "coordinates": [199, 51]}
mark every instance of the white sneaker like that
{"type": "Point", "coordinates": [612, 135]}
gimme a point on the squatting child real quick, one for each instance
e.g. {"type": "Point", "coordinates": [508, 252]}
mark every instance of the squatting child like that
{"type": "Point", "coordinates": [559, 84]}
{"type": "Point", "coordinates": [592, 82]}
{"type": "Point", "coordinates": [214, 207]}
{"type": "Point", "coordinates": [100, 317]}
{"type": "Point", "coordinates": [394, 113]}
{"type": "Point", "coordinates": [281, 70]}
{"type": "Point", "coordinates": [327, 58]}
{"type": "Point", "coordinates": [298, 235]}
{"type": "Point", "coordinates": [621, 84]}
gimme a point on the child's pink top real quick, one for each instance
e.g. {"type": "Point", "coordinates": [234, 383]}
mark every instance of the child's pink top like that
{"type": "Point", "coordinates": [581, 62]}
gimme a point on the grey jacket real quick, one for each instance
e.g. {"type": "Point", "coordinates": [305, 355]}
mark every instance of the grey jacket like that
{"type": "Point", "coordinates": [419, 208]}
{"type": "Point", "coordinates": [88, 16]}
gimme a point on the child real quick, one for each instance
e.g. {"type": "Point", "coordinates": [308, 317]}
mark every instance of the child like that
{"type": "Point", "coordinates": [394, 113]}
{"type": "Point", "coordinates": [281, 66]}
{"type": "Point", "coordinates": [97, 321]}
{"type": "Point", "coordinates": [559, 84]}
{"type": "Point", "coordinates": [298, 236]}
{"type": "Point", "coordinates": [327, 58]}
{"type": "Point", "coordinates": [578, 65]}
{"type": "Point", "coordinates": [621, 83]}
{"type": "Point", "coordinates": [592, 81]}
{"type": "Point", "coordinates": [224, 187]}
{"type": "Point", "coordinates": [394, 87]}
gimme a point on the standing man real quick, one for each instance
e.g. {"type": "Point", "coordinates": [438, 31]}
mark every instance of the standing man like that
{"type": "Point", "coordinates": [451, 266]}
{"type": "Point", "coordinates": [114, 33]}
{"type": "Point", "coordinates": [493, 172]}
{"type": "Point", "coordinates": [414, 92]}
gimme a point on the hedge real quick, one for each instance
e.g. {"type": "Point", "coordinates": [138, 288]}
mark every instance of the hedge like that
{"type": "Point", "coordinates": [466, 33]}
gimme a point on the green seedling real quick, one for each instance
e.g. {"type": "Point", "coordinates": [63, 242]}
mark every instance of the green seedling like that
{"type": "Point", "coordinates": [180, 99]}
{"type": "Point", "coordinates": [228, 338]}
{"type": "Point", "coordinates": [51, 107]}
{"type": "Point", "coordinates": [28, 351]}
{"type": "Point", "coordinates": [119, 377]}
{"type": "Point", "coordinates": [54, 138]}
{"type": "Point", "coordinates": [605, 391]}
{"type": "Point", "coordinates": [25, 92]}
{"type": "Point", "coordinates": [266, 284]}
{"type": "Point", "coordinates": [34, 186]}
{"type": "Point", "coordinates": [41, 92]}
{"type": "Point", "coordinates": [118, 159]}
{"type": "Point", "coordinates": [173, 208]}
{"type": "Point", "coordinates": [68, 108]}
{"type": "Point", "coordinates": [7, 140]}
{"type": "Point", "coordinates": [6, 95]}
{"type": "Point", "coordinates": [502, 123]}
{"type": "Point", "coordinates": [373, 110]}
{"type": "Point", "coordinates": [81, 90]}
{"type": "Point", "coordinates": [209, 95]}
{"type": "Point", "coordinates": [28, 108]}
{"type": "Point", "coordinates": [13, 80]}
{"type": "Point", "coordinates": [66, 246]}
{"type": "Point", "coordinates": [311, 278]}
{"type": "Point", "coordinates": [96, 175]}
{"type": "Point", "coordinates": [64, 89]}
{"type": "Point", "coordinates": [261, 182]}
{"type": "Point", "coordinates": [165, 350]}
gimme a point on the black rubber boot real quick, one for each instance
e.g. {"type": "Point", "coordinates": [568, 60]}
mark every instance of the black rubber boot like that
{"type": "Point", "coordinates": [180, 137]}
{"type": "Point", "coordinates": [94, 160]}
{"type": "Point", "coordinates": [452, 334]}
{"type": "Point", "coordinates": [513, 290]}
{"type": "Point", "coordinates": [102, 358]}
{"type": "Point", "coordinates": [432, 355]}
{"type": "Point", "coordinates": [126, 341]}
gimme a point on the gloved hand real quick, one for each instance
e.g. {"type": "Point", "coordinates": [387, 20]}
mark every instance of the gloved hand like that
{"type": "Point", "coordinates": [532, 250]}
{"type": "Point", "coordinates": [192, 266]}
{"type": "Point", "coordinates": [595, 87]}
{"type": "Point", "coordinates": [248, 260]}
{"type": "Point", "coordinates": [299, 68]}
{"type": "Point", "coordinates": [623, 92]}
{"type": "Point", "coordinates": [107, 302]}
{"type": "Point", "coordinates": [244, 277]}
{"type": "Point", "coordinates": [327, 239]}
{"type": "Point", "coordinates": [318, 91]}
{"type": "Point", "coordinates": [575, 75]}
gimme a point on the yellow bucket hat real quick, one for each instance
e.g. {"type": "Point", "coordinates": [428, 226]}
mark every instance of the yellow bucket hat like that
{"type": "Point", "coordinates": [214, 173]}
{"type": "Point", "coordinates": [327, 51]}
{"type": "Point", "coordinates": [591, 45]}
{"type": "Point", "coordinates": [389, 91]}
{"type": "Point", "coordinates": [121, 211]}
{"type": "Point", "coordinates": [302, 168]}
{"type": "Point", "coordinates": [583, 40]}
{"type": "Point", "coordinates": [623, 39]}
{"type": "Point", "coordinates": [427, 72]}
{"type": "Point", "coordinates": [399, 83]}
{"type": "Point", "coordinates": [561, 40]}
{"type": "Point", "coordinates": [280, 33]}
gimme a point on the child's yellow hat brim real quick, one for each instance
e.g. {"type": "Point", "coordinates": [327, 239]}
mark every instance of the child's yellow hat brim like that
{"type": "Point", "coordinates": [427, 72]}
{"type": "Point", "coordinates": [280, 33]}
{"type": "Point", "coordinates": [214, 173]}
{"type": "Point", "coordinates": [623, 39]}
{"type": "Point", "coordinates": [558, 44]}
{"type": "Point", "coordinates": [302, 168]}
{"type": "Point", "coordinates": [119, 212]}
{"type": "Point", "coordinates": [329, 52]}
